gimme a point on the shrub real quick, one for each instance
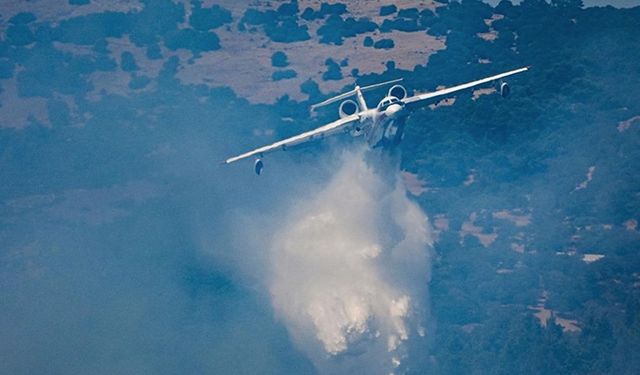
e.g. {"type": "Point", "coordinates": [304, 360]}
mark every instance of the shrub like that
{"type": "Point", "coordinates": [388, 9]}
{"type": "Point", "coordinates": [279, 59]}
{"type": "Point", "coordinates": [384, 44]}
{"type": "Point", "coordinates": [283, 74]}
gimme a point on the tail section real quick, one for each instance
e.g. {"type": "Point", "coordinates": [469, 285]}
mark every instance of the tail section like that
{"type": "Point", "coordinates": [356, 91]}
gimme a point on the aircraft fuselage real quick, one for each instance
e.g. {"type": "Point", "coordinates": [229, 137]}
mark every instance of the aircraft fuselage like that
{"type": "Point", "coordinates": [383, 127]}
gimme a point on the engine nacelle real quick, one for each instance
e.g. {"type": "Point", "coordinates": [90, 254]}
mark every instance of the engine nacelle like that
{"type": "Point", "coordinates": [505, 90]}
{"type": "Point", "coordinates": [258, 166]}
{"type": "Point", "coordinates": [398, 91]}
{"type": "Point", "coordinates": [348, 108]}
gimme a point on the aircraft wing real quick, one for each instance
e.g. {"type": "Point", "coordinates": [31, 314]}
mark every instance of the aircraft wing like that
{"type": "Point", "coordinates": [417, 99]}
{"type": "Point", "coordinates": [321, 132]}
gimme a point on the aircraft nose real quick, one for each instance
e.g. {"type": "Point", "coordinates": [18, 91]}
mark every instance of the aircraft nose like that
{"type": "Point", "coordinates": [394, 110]}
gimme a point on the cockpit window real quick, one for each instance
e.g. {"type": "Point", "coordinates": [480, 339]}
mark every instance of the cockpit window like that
{"type": "Point", "coordinates": [386, 102]}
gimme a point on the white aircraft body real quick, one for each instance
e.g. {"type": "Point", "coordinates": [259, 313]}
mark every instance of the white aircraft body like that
{"type": "Point", "coordinates": [382, 126]}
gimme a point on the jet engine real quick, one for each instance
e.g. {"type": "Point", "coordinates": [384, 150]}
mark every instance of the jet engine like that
{"type": "Point", "coordinates": [398, 91]}
{"type": "Point", "coordinates": [504, 89]}
{"type": "Point", "coordinates": [348, 108]}
{"type": "Point", "coordinates": [258, 166]}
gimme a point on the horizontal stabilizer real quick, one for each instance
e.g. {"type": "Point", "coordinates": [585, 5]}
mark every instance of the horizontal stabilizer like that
{"type": "Point", "coordinates": [375, 86]}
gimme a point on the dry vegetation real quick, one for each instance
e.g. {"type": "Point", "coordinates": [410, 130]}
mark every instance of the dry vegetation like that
{"type": "Point", "coordinates": [244, 62]}
{"type": "Point", "coordinates": [492, 34]}
{"type": "Point", "coordinates": [57, 10]}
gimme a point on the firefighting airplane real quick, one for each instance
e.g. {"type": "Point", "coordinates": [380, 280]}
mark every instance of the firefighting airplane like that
{"type": "Point", "coordinates": [382, 126]}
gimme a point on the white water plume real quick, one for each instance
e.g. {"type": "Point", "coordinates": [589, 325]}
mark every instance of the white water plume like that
{"type": "Point", "coordinates": [350, 267]}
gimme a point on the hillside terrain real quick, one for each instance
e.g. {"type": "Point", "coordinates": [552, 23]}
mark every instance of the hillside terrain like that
{"type": "Point", "coordinates": [114, 115]}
